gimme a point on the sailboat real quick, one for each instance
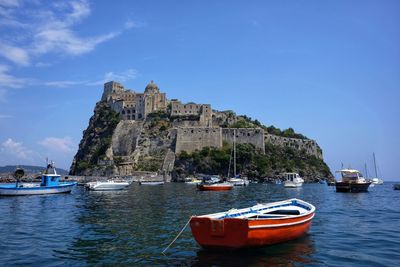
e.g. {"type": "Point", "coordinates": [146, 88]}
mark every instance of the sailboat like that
{"type": "Point", "coordinates": [376, 180]}
{"type": "Point", "coordinates": [236, 180]}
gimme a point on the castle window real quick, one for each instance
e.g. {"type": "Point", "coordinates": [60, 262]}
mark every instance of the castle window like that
{"type": "Point", "coordinates": [123, 112]}
{"type": "Point", "coordinates": [129, 111]}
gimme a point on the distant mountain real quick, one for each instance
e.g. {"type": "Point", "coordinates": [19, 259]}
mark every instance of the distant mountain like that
{"type": "Point", "coordinates": [29, 169]}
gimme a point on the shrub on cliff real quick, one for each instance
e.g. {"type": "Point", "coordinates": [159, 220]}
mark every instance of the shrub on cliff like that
{"type": "Point", "coordinates": [251, 163]}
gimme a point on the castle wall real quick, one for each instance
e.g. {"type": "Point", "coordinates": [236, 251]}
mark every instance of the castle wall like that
{"type": "Point", "coordinates": [310, 146]}
{"type": "Point", "coordinates": [204, 112]}
{"type": "Point", "coordinates": [190, 139]}
{"type": "Point", "coordinates": [245, 136]}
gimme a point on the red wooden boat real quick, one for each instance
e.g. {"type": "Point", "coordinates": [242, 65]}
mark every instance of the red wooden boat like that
{"type": "Point", "coordinates": [260, 225]}
{"type": "Point", "coordinates": [215, 187]}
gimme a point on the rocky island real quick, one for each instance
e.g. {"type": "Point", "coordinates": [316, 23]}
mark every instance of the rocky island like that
{"type": "Point", "coordinates": [131, 132]}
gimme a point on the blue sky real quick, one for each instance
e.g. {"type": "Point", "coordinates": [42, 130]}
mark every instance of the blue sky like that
{"type": "Point", "coordinates": [329, 69]}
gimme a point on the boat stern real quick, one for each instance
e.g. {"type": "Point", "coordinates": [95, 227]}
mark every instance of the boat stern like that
{"type": "Point", "coordinates": [214, 233]}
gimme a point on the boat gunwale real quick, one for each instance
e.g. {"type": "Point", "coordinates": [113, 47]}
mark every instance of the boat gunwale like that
{"type": "Point", "coordinates": [242, 212]}
{"type": "Point", "coordinates": [39, 187]}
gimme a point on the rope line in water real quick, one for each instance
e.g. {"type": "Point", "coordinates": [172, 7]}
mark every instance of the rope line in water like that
{"type": "Point", "coordinates": [173, 241]}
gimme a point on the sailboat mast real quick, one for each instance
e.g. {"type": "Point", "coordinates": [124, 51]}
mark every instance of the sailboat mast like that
{"type": "Point", "coordinates": [366, 170]}
{"type": "Point", "coordinates": [234, 152]}
{"type": "Point", "coordinates": [376, 172]}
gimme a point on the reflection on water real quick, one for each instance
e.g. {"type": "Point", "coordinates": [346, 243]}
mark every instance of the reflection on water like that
{"type": "Point", "coordinates": [132, 227]}
{"type": "Point", "coordinates": [294, 253]}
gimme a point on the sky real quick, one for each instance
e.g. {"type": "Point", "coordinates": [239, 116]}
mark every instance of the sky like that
{"type": "Point", "coordinates": [328, 69]}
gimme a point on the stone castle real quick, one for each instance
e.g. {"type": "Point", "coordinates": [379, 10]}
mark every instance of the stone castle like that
{"type": "Point", "coordinates": [136, 106]}
{"type": "Point", "coordinates": [193, 125]}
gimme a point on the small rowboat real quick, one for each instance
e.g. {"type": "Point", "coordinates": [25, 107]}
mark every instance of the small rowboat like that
{"type": "Point", "coordinates": [260, 225]}
{"type": "Point", "coordinates": [215, 187]}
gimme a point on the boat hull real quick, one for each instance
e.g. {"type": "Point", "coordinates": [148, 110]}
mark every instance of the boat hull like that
{"type": "Point", "coordinates": [215, 187]}
{"type": "Point", "coordinates": [151, 183]}
{"type": "Point", "coordinates": [107, 187]}
{"type": "Point", "coordinates": [352, 187]}
{"type": "Point", "coordinates": [292, 184]}
{"type": "Point", "coordinates": [36, 190]}
{"type": "Point", "coordinates": [235, 233]}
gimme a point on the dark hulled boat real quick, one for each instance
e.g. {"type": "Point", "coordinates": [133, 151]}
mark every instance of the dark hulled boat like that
{"type": "Point", "coordinates": [352, 181]}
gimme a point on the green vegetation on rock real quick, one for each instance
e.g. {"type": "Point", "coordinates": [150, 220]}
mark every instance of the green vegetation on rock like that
{"type": "Point", "coordinates": [96, 139]}
{"type": "Point", "coordinates": [274, 163]}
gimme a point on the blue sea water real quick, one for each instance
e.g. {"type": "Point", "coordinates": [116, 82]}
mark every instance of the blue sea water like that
{"type": "Point", "coordinates": [132, 227]}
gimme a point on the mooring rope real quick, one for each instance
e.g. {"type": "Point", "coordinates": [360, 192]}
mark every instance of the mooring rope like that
{"type": "Point", "coordinates": [173, 241]}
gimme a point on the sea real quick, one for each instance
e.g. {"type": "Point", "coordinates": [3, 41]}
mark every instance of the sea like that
{"type": "Point", "coordinates": [133, 227]}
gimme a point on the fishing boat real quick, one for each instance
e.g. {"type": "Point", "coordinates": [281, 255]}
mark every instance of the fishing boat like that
{"type": "Point", "coordinates": [50, 184]}
{"type": "Point", "coordinates": [293, 180]}
{"type": "Point", "coordinates": [259, 225]}
{"type": "Point", "coordinates": [110, 185]}
{"type": "Point", "coordinates": [352, 181]}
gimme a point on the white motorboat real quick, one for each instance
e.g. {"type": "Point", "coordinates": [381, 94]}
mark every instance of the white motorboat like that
{"type": "Point", "coordinates": [152, 183]}
{"type": "Point", "coordinates": [293, 179]}
{"type": "Point", "coordinates": [107, 186]}
{"type": "Point", "coordinates": [238, 181]}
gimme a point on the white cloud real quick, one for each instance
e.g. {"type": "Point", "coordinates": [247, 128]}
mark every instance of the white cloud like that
{"type": "Point", "coordinates": [65, 144]}
{"type": "Point", "coordinates": [3, 116]}
{"type": "Point", "coordinates": [9, 3]}
{"type": "Point", "coordinates": [129, 24]}
{"type": "Point", "coordinates": [15, 54]}
{"type": "Point", "coordinates": [8, 80]}
{"type": "Point", "coordinates": [16, 149]}
{"type": "Point", "coordinates": [46, 28]}
{"type": "Point", "coordinates": [62, 84]}
{"type": "Point", "coordinates": [124, 76]}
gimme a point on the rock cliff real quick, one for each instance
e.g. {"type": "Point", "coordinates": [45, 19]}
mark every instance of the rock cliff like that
{"type": "Point", "coordinates": [165, 144]}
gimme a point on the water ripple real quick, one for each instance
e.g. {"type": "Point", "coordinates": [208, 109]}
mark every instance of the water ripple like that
{"type": "Point", "coordinates": [132, 227]}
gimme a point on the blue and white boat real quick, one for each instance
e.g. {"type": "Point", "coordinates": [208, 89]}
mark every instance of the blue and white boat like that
{"type": "Point", "coordinates": [50, 184]}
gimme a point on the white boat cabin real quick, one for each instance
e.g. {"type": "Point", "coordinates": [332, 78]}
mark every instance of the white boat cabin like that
{"type": "Point", "coordinates": [292, 177]}
{"type": "Point", "coordinates": [351, 176]}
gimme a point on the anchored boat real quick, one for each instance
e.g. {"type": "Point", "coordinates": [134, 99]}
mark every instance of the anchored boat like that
{"type": "Point", "coordinates": [215, 187]}
{"type": "Point", "coordinates": [213, 183]}
{"type": "Point", "coordinates": [352, 181]}
{"type": "Point", "coordinates": [50, 184]}
{"type": "Point", "coordinates": [293, 179]}
{"type": "Point", "coordinates": [259, 225]}
{"type": "Point", "coordinates": [107, 186]}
